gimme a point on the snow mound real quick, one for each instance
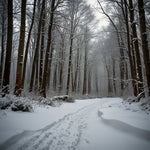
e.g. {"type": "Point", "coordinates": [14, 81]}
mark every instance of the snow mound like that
{"type": "Point", "coordinates": [125, 127]}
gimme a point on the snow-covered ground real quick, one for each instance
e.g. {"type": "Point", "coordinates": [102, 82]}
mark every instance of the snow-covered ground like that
{"type": "Point", "coordinates": [95, 124]}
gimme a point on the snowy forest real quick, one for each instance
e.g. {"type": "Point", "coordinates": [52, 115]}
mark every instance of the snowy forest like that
{"type": "Point", "coordinates": [52, 47]}
{"type": "Point", "coordinates": [79, 66]}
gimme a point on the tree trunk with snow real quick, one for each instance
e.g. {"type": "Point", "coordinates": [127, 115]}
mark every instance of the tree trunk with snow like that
{"type": "Point", "coordinates": [43, 87]}
{"type": "Point", "coordinates": [27, 45]}
{"type": "Point", "coordinates": [144, 39]}
{"type": "Point", "coordinates": [3, 37]}
{"type": "Point", "coordinates": [36, 54]}
{"type": "Point", "coordinates": [8, 48]}
{"type": "Point", "coordinates": [133, 75]}
{"type": "Point", "coordinates": [42, 48]}
{"type": "Point", "coordinates": [18, 87]}
{"type": "Point", "coordinates": [136, 47]}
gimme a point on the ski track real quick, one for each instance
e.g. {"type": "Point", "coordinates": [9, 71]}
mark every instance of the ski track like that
{"type": "Point", "coordinates": [64, 134]}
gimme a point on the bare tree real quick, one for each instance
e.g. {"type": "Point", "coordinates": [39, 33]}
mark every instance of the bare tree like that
{"type": "Point", "coordinates": [85, 60]}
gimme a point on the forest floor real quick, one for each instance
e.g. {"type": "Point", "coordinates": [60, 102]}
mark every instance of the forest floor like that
{"type": "Point", "coordinates": [94, 124]}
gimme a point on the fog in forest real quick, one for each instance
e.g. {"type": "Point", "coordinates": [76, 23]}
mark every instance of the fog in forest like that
{"type": "Point", "coordinates": [75, 47]}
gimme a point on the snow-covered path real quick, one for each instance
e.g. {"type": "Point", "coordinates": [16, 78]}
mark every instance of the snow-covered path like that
{"type": "Point", "coordinates": [84, 129]}
{"type": "Point", "coordinates": [62, 135]}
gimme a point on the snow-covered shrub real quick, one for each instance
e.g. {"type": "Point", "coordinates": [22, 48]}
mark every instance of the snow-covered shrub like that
{"type": "Point", "coordinates": [134, 104]}
{"type": "Point", "coordinates": [130, 100]}
{"type": "Point", "coordinates": [145, 104]}
{"type": "Point", "coordinates": [64, 98]}
{"type": "Point", "coordinates": [47, 102]}
{"type": "Point", "coordinates": [16, 103]}
{"type": "Point", "coordinates": [21, 105]}
{"type": "Point", "coordinates": [5, 104]}
{"type": "Point", "coordinates": [69, 99]}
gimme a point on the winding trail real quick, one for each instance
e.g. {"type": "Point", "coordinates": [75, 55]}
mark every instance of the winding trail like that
{"type": "Point", "coordinates": [84, 129]}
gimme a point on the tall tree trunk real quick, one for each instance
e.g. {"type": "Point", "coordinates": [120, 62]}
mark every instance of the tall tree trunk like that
{"type": "Point", "coordinates": [136, 47]}
{"type": "Point", "coordinates": [77, 70]}
{"type": "Point", "coordinates": [79, 76]}
{"type": "Point", "coordinates": [122, 66]}
{"type": "Point", "coordinates": [145, 49]}
{"type": "Point", "coordinates": [70, 62]}
{"type": "Point", "coordinates": [43, 90]}
{"type": "Point", "coordinates": [109, 80]}
{"type": "Point", "coordinates": [18, 87]}
{"type": "Point", "coordinates": [42, 48]}
{"type": "Point", "coordinates": [96, 82]}
{"type": "Point", "coordinates": [49, 68]}
{"type": "Point", "coordinates": [2, 48]}
{"type": "Point", "coordinates": [134, 70]}
{"type": "Point", "coordinates": [8, 47]}
{"type": "Point", "coordinates": [71, 47]}
{"type": "Point", "coordinates": [37, 74]}
{"type": "Point", "coordinates": [55, 79]}
{"type": "Point", "coordinates": [35, 59]}
{"type": "Point", "coordinates": [133, 75]}
{"type": "Point", "coordinates": [72, 77]}
{"type": "Point", "coordinates": [61, 64]}
{"type": "Point", "coordinates": [114, 76]}
{"type": "Point", "coordinates": [27, 45]}
{"type": "Point", "coordinates": [89, 82]}
{"type": "Point", "coordinates": [85, 71]}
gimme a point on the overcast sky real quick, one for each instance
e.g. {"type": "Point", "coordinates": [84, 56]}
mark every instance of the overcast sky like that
{"type": "Point", "coordinates": [100, 17]}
